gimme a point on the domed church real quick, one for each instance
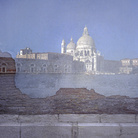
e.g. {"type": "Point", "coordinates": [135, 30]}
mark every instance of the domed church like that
{"type": "Point", "coordinates": [84, 51]}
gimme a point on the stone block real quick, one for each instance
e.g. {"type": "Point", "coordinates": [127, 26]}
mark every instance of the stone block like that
{"type": "Point", "coordinates": [129, 130]}
{"type": "Point", "coordinates": [39, 119]}
{"type": "Point", "coordinates": [4, 119]}
{"type": "Point", "coordinates": [99, 130]}
{"type": "Point", "coordinates": [80, 118]}
{"type": "Point", "coordinates": [118, 118]}
{"type": "Point", "coordinates": [46, 131]}
{"type": "Point", "coordinates": [9, 131]}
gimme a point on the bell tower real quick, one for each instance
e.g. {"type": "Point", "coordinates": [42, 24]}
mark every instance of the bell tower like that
{"type": "Point", "coordinates": [63, 49]}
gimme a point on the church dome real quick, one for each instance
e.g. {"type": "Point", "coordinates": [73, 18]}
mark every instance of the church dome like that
{"type": "Point", "coordinates": [85, 41]}
{"type": "Point", "coordinates": [5, 54]}
{"type": "Point", "coordinates": [71, 45]}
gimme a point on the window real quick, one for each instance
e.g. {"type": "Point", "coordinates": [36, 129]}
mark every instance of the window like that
{"type": "Point", "coordinates": [32, 65]}
{"type": "Point", "coordinates": [56, 68]}
{"type": "Point", "coordinates": [3, 69]}
{"type": "Point", "coordinates": [85, 53]}
{"type": "Point", "coordinates": [44, 68]}
{"type": "Point", "coordinates": [67, 68]}
{"type": "Point", "coordinates": [81, 53]}
{"type": "Point", "coordinates": [88, 53]}
{"type": "Point", "coordinates": [32, 70]}
{"type": "Point", "coordinates": [18, 69]}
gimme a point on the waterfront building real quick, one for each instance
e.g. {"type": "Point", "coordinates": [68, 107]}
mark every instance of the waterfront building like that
{"type": "Point", "coordinates": [129, 66]}
{"type": "Point", "coordinates": [7, 63]}
{"type": "Point", "coordinates": [74, 58]}
{"type": "Point", "coordinates": [81, 57]}
{"type": "Point", "coordinates": [126, 62]}
{"type": "Point", "coordinates": [48, 63]}
{"type": "Point", "coordinates": [84, 51]}
{"type": "Point", "coordinates": [135, 62]}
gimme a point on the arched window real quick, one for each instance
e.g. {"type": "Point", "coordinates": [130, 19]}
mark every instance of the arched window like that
{"type": "Point", "coordinates": [55, 68]}
{"type": "Point", "coordinates": [88, 53]}
{"type": "Point", "coordinates": [50, 68]}
{"type": "Point", "coordinates": [18, 67]}
{"type": "Point", "coordinates": [81, 53]}
{"type": "Point", "coordinates": [32, 65]}
{"type": "Point", "coordinates": [67, 68]}
{"type": "Point", "coordinates": [85, 53]}
{"type": "Point", "coordinates": [92, 53]}
{"type": "Point", "coordinates": [3, 68]}
{"type": "Point", "coordinates": [44, 68]}
{"type": "Point", "coordinates": [32, 68]}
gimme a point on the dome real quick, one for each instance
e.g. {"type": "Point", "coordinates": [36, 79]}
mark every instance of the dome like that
{"type": "Point", "coordinates": [85, 41]}
{"type": "Point", "coordinates": [5, 54]}
{"type": "Point", "coordinates": [71, 45]}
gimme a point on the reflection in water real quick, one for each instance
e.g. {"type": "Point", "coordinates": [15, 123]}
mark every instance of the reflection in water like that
{"type": "Point", "coordinates": [42, 85]}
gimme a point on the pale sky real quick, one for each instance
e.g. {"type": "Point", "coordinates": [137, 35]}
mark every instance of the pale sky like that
{"type": "Point", "coordinates": [42, 24]}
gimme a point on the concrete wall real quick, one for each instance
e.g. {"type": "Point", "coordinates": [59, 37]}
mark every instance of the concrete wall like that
{"type": "Point", "coordinates": [69, 126]}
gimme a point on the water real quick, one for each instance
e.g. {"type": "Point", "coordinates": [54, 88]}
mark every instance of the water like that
{"type": "Point", "coordinates": [42, 85]}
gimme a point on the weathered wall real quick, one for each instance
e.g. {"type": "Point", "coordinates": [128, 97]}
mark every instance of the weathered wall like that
{"type": "Point", "coordinates": [66, 101]}
{"type": "Point", "coordinates": [69, 126]}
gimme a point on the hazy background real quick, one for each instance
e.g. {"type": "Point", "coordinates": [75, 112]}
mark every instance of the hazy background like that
{"type": "Point", "coordinates": [42, 24]}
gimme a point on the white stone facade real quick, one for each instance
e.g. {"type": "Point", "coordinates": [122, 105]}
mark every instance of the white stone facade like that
{"type": "Point", "coordinates": [84, 51]}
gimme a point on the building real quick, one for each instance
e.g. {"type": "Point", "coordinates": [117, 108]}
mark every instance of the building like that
{"type": "Point", "coordinates": [84, 51]}
{"type": "Point", "coordinates": [7, 63]}
{"type": "Point", "coordinates": [81, 57]}
{"type": "Point", "coordinates": [48, 63]}
{"type": "Point", "coordinates": [25, 51]}
{"type": "Point", "coordinates": [74, 58]}
{"type": "Point", "coordinates": [135, 62]}
{"type": "Point", "coordinates": [129, 66]}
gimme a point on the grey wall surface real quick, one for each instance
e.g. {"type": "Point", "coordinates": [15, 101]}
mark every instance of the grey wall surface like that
{"type": "Point", "coordinates": [69, 126]}
{"type": "Point", "coordinates": [42, 85]}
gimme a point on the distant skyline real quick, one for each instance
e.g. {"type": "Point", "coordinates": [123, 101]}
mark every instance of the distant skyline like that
{"type": "Point", "coordinates": [42, 24]}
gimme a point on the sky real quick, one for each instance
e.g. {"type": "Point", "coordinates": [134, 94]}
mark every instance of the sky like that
{"type": "Point", "coordinates": [42, 24]}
